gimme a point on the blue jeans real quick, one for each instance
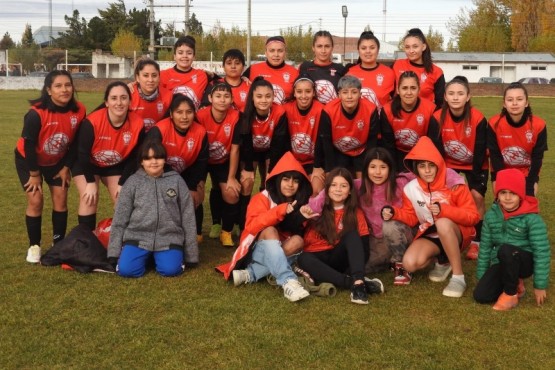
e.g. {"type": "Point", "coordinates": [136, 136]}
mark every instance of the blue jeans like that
{"type": "Point", "coordinates": [132, 261]}
{"type": "Point", "coordinates": [268, 258]}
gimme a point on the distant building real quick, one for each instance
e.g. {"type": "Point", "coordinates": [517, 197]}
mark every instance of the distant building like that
{"type": "Point", "coordinates": [42, 34]}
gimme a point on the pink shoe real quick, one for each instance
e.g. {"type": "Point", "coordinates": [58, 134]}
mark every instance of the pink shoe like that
{"type": "Point", "coordinates": [402, 276]}
{"type": "Point", "coordinates": [520, 289]}
{"type": "Point", "coordinates": [473, 249]}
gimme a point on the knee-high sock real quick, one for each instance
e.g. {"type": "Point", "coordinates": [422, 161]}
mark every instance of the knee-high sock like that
{"type": "Point", "coordinates": [243, 203]}
{"type": "Point", "coordinates": [59, 225]}
{"type": "Point", "coordinates": [34, 225]}
{"type": "Point", "coordinates": [230, 216]}
{"type": "Point", "coordinates": [199, 216]}
{"type": "Point", "coordinates": [216, 205]}
{"type": "Point", "coordinates": [89, 220]}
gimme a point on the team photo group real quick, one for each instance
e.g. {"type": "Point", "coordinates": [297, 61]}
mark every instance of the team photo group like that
{"type": "Point", "coordinates": [317, 176]}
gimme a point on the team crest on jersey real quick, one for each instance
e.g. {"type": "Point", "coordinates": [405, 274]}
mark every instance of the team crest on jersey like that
{"type": "Point", "coordinates": [423, 77]}
{"type": "Point", "coordinates": [243, 96]}
{"type": "Point", "coordinates": [311, 122]}
{"type": "Point", "coordinates": [529, 135]}
{"type": "Point", "coordinates": [127, 137]}
{"type": "Point", "coordinates": [333, 72]}
{"type": "Point", "coordinates": [468, 131]}
{"type": "Point", "coordinates": [420, 119]}
{"type": "Point", "coordinates": [360, 124]}
{"type": "Point", "coordinates": [227, 129]}
{"type": "Point", "coordinates": [148, 123]}
{"type": "Point", "coordinates": [379, 79]}
{"type": "Point", "coordinates": [73, 122]}
{"type": "Point", "coordinates": [194, 78]}
{"type": "Point", "coordinates": [160, 107]}
{"type": "Point", "coordinates": [190, 144]}
{"type": "Point", "coordinates": [286, 77]}
{"type": "Point", "coordinates": [271, 124]}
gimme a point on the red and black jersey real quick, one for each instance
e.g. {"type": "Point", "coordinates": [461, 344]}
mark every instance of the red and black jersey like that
{"type": "Point", "coordinates": [263, 130]}
{"type": "Point", "coordinates": [221, 135]}
{"type": "Point", "coordinates": [57, 132]}
{"type": "Point", "coordinates": [464, 144]}
{"type": "Point", "coordinates": [432, 84]}
{"type": "Point", "coordinates": [151, 111]}
{"type": "Point", "coordinates": [182, 148]}
{"type": "Point", "coordinates": [378, 84]}
{"type": "Point", "coordinates": [191, 83]}
{"type": "Point", "coordinates": [313, 241]}
{"type": "Point", "coordinates": [281, 78]}
{"type": "Point", "coordinates": [325, 77]}
{"type": "Point", "coordinates": [240, 94]}
{"type": "Point", "coordinates": [351, 134]}
{"type": "Point", "coordinates": [515, 145]}
{"type": "Point", "coordinates": [303, 129]}
{"type": "Point", "coordinates": [112, 145]}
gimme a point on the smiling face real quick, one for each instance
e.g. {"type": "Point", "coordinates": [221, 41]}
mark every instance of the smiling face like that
{"type": "Point", "coordinates": [183, 116]}
{"type": "Point", "coordinates": [262, 98]}
{"type": "Point", "coordinates": [153, 165]}
{"type": "Point", "coordinates": [414, 47]}
{"type": "Point", "coordinates": [61, 90]}
{"type": "Point", "coordinates": [368, 51]}
{"type": "Point", "coordinates": [289, 187]}
{"type": "Point", "coordinates": [408, 92]}
{"type": "Point", "coordinates": [378, 171]}
{"type": "Point", "coordinates": [339, 190]}
{"type": "Point", "coordinates": [515, 102]}
{"type": "Point", "coordinates": [184, 57]}
{"type": "Point", "coordinates": [304, 94]}
{"type": "Point", "coordinates": [323, 49]}
{"type": "Point", "coordinates": [456, 96]}
{"type": "Point", "coordinates": [427, 171]}
{"type": "Point", "coordinates": [117, 103]}
{"type": "Point", "coordinates": [148, 79]}
{"type": "Point", "coordinates": [275, 53]}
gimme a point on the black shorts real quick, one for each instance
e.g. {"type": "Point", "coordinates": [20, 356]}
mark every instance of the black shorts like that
{"type": "Point", "coordinates": [115, 170]}
{"type": "Point", "coordinates": [442, 257]}
{"type": "Point", "coordinates": [219, 172]}
{"type": "Point", "coordinates": [351, 163]}
{"type": "Point", "coordinates": [260, 157]}
{"type": "Point", "coordinates": [47, 172]}
{"type": "Point", "coordinates": [477, 181]}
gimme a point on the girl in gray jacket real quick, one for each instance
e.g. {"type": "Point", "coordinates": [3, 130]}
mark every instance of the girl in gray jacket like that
{"type": "Point", "coordinates": [154, 216]}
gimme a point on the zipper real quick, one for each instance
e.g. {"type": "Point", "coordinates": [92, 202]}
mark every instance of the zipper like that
{"type": "Point", "coordinates": [157, 213]}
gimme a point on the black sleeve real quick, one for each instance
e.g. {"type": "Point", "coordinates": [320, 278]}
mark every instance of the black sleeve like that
{"type": "Point", "coordinates": [537, 161]}
{"type": "Point", "coordinates": [480, 145]}
{"type": "Point", "coordinates": [388, 137]}
{"type": "Point", "coordinates": [130, 163]}
{"type": "Point", "coordinates": [439, 92]}
{"type": "Point", "coordinates": [374, 130]}
{"type": "Point", "coordinates": [496, 159]}
{"type": "Point", "coordinates": [196, 173]}
{"type": "Point", "coordinates": [154, 134]}
{"type": "Point", "coordinates": [246, 151]}
{"type": "Point", "coordinates": [247, 73]}
{"type": "Point", "coordinates": [302, 68]}
{"type": "Point", "coordinates": [236, 138]}
{"type": "Point", "coordinates": [85, 141]}
{"type": "Point", "coordinates": [433, 134]}
{"type": "Point", "coordinates": [323, 151]}
{"type": "Point", "coordinates": [281, 141]}
{"type": "Point", "coordinates": [30, 134]}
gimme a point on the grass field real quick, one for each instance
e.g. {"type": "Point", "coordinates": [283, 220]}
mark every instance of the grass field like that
{"type": "Point", "coordinates": [51, 318]}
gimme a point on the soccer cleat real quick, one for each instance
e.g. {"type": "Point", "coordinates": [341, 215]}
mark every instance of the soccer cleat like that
{"type": "Point", "coordinates": [236, 231]}
{"type": "Point", "coordinates": [294, 291]}
{"type": "Point", "coordinates": [215, 231]}
{"type": "Point", "coordinates": [358, 294]}
{"type": "Point", "coordinates": [299, 271]}
{"type": "Point", "coordinates": [373, 286]}
{"type": "Point", "coordinates": [455, 288]}
{"type": "Point", "coordinates": [520, 289]}
{"type": "Point", "coordinates": [505, 302]}
{"type": "Point", "coordinates": [226, 239]}
{"type": "Point", "coordinates": [402, 276]}
{"type": "Point", "coordinates": [440, 272]}
{"type": "Point", "coordinates": [473, 250]}
{"type": "Point", "coordinates": [33, 254]}
{"type": "Point", "coordinates": [241, 277]}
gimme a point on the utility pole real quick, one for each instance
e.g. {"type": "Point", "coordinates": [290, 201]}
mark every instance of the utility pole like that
{"type": "Point", "coordinates": [249, 34]}
{"type": "Point", "coordinates": [151, 24]}
{"type": "Point", "coordinates": [187, 6]}
{"type": "Point", "coordinates": [384, 18]}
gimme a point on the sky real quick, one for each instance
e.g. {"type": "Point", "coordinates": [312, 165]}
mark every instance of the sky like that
{"type": "Point", "coordinates": [268, 16]}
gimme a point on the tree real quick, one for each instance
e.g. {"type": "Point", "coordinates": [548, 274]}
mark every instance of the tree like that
{"type": "Point", "coordinates": [299, 43]}
{"type": "Point", "coordinates": [27, 38]}
{"type": "Point", "coordinates": [6, 42]}
{"type": "Point", "coordinates": [115, 18]}
{"type": "Point", "coordinates": [194, 27]}
{"type": "Point", "coordinates": [76, 36]}
{"type": "Point", "coordinates": [125, 44]}
{"type": "Point", "coordinates": [139, 23]}
{"type": "Point", "coordinates": [525, 23]}
{"type": "Point", "coordinates": [99, 35]}
{"type": "Point", "coordinates": [434, 39]}
{"type": "Point", "coordinates": [51, 57]}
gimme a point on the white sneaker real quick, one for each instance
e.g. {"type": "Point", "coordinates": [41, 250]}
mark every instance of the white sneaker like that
{"type": "Point", "coordinates": [455, 288]}
{"type": "Point", "coordinates": [241, 277]}
{"type": "Point", "coordinates": [440, 272]}
{"type": "Point", "coordinates": [33, 254]}
{"type": "Point", "coordinates": [294, 291]}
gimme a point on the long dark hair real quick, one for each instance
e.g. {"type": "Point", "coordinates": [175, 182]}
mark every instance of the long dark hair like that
{"type": "Point", "coordinates": [325, 225]}
{"type": "Point", "coordinates": [396, 106]}
{"type": "Point", "coordinates": [427, 53]}
{"type": "Point", "coordinates": [367, 186]}
{"type": "Point", "coordinates": [273, 186]}
{"type": "Point", "coordinates": [250, 110]}
{"type": "Point", "coordinates": [461, 80]}
{"type": "Point", "coordinates": [44, 101]}
{"type": "Point", "coordinates": [367, 35]}
{"type": "Point", "coordinates": [109, 88]}
{"type": "Point", "coordinates": [527, 110]}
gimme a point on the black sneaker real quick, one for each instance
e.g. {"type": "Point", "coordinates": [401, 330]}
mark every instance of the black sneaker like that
{"type": "Point", "coordinates": [358, 294]}
{"type": "Point", "coordinates": [373, 286]}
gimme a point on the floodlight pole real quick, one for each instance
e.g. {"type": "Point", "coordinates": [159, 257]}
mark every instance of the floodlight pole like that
{"type": "Point", "coordinates": [345, 13]}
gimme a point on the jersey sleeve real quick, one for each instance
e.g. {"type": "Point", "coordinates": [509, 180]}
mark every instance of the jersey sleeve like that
{"type": "Point", "coordinates": [30, 134]}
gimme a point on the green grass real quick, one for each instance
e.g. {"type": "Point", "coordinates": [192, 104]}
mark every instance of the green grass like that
{"type": "Point", "coordinates": [51, 318]}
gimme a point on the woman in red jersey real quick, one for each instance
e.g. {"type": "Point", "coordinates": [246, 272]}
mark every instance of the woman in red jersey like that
{"type": "Point", "coordinates": [322, 70]}
{"type": "Point", "coordinates": [419, 60]}
{"type": "Point", "coordinates": [146, 98]}
{"type": "Point", "coordinates": [378, 80]}
{"type": "Point", "coordinates": [106, 150]}
{"type": "Point", "coordinates": [42, 153]}
{"type": "Point", "coordinates": [407, 118]}
{"type": "Point", "coordinates": [183, 78]}
{"type": "Point", "coordinates": [516, 138]}
{"type": "Point", "coordinates": [186, 145]}
{"type": "Point", "coordinates": [463, 131]}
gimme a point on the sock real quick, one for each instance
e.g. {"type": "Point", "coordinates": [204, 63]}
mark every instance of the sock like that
{"type": "Point", "coordinates": [199, 215]}
{"type": "Point", "coordinates": [59, 225]}
{"type": "Point", "coordinates": [230, 212]}
{"type": "Point", "coordinates": [34, 225]}
{"type": "Point", "coordinates": [89, 220]}
{"type": "Point", "coordinates": [243, 204]}
{"type": "Point", "coordinates": [478, 228]}
{"type": "Point", "coordinates": [216, 204]}
{"type": "Point", "coordinates": [459, 278]}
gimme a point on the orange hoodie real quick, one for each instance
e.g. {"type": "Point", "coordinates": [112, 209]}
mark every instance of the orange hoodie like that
{"type": "Point", "coordinates": [456, 203]}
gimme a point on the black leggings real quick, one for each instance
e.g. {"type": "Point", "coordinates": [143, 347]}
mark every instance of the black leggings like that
{"type": "Point", "coordinates": [514, 263]}
{"type": "Point", "coordinates": [341, 265]}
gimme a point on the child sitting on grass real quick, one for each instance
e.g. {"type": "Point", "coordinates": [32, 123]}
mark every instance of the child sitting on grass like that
{"type": "Point", "coordinates": [514, 245]}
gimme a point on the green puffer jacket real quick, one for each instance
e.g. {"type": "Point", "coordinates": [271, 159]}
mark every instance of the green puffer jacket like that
{"type": "Point", "coordinates": [525, 230]}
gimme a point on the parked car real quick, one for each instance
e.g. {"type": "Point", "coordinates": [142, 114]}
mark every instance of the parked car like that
{"type": "Point", "coordinates": [534, 80]}
{"type": "Point", "coordinates": [37, 74]}
{"type": "Point", "coordinates": [490, 80]}
{"type": "Point", "coordinates": [552, 81]}
{"type": "Point", "coordinates": [82, 75]}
